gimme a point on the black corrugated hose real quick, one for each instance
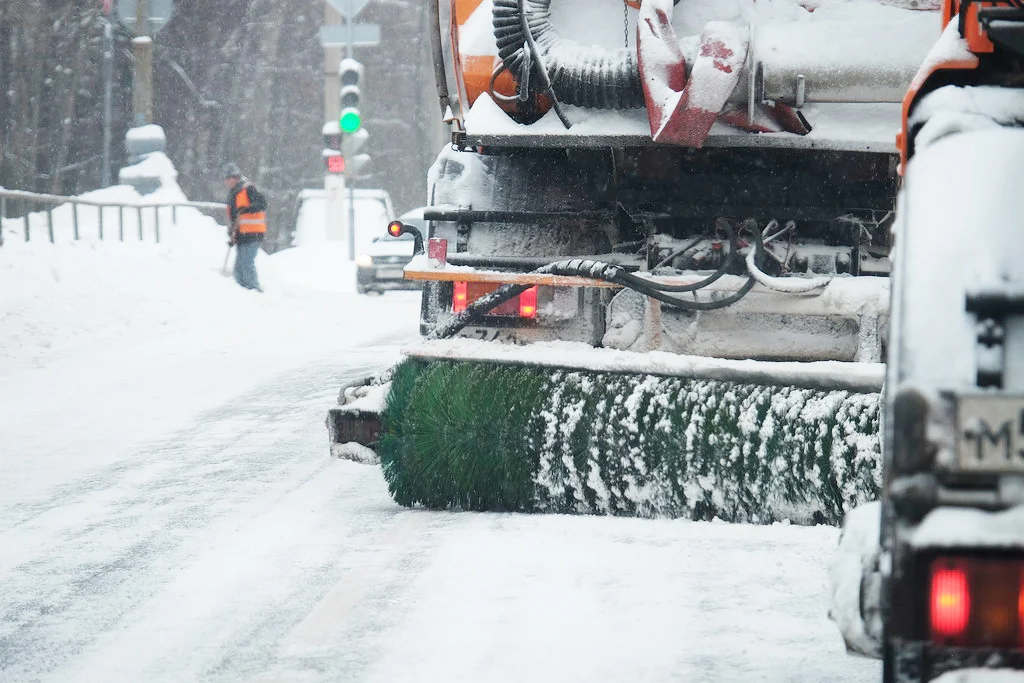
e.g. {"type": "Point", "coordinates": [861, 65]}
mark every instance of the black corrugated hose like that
{"type": "Point", "coordinates": [583, 76]}
{"type": "Point", "coordinates": [616, 274]}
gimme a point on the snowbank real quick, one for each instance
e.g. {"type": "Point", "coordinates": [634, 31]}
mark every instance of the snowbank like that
{"type": "Point", "coordinates": [981, 676]}
{"type": "Point", "coordinates": [73, 293]}
{"type": "Point", "coordinates": [155, 165]}
{"type": "Point", "coordinates": [855, 559]}
{"type": "Point", "coordinates": [321, 267]}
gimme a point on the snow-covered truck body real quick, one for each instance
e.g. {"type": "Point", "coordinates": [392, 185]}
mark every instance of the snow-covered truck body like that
{"type": "Point", "coordinates": [661, 124]}
{"type": "Point", "coordinates": [931, 579]}
{"type": "Point", "coordinates": [714, 179]}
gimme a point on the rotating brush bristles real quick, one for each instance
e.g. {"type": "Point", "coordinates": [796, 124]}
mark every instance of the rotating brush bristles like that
{"type": "Point", "coordinates": [486, 436]}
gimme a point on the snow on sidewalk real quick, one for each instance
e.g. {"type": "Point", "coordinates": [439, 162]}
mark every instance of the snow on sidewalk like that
{"type": "Point", "coordinates": [64, 297]}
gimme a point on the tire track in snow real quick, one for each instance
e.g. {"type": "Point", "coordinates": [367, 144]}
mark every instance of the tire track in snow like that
{"type": "Point", "coordinates": [75, 576]}
{"type": "Point", "coordinates": [352, 626]}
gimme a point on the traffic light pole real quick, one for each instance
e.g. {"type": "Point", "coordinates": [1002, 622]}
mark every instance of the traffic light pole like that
{"type": "Point", "coordinates": [351, 222]}
{"type": "Point", "coordinates": [351, 38]}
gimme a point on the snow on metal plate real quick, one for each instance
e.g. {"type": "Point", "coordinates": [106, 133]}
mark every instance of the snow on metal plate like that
{"type": "Point", "coordinates": [990, 433]}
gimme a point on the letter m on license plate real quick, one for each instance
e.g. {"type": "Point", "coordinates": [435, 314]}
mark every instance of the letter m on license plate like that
{"type": "Point", "coordinates": [990, 433]}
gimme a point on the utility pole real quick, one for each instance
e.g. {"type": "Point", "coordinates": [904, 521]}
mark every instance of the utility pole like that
{"type": "Point", "coordinates": [108, 90]}
{"type": "Point", "coordinates": [142, 49]}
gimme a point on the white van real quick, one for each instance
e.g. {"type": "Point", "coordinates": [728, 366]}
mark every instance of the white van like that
{"type": "Point", "coordinates": [373, 213]}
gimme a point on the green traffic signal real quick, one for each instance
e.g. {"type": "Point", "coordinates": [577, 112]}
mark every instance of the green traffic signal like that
{"type": "Point", "coordinates": [351, 121]}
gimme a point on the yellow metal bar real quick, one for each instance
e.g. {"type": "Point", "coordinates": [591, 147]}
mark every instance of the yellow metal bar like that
{"type": "Point", "coordinates": [506, 278]}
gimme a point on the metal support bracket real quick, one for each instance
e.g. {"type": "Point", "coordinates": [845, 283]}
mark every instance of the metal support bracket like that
{"type": "Point", "coordinates": [991, 307]}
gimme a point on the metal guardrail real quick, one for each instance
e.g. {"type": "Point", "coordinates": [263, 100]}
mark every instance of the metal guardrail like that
{"type": "Point", "coordinates": [26, 201]}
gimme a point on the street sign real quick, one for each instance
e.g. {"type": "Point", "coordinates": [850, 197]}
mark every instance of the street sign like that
{"type": "Point", "coordinates": [159, 13]}
{"type": "Point", "coordinates": [362, 34]}
{"type": "Point", "coordinates": [348, 8]}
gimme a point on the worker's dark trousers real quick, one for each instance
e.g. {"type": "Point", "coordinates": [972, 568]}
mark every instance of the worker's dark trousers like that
{"type": "Point", "coordinates": [245, 265]}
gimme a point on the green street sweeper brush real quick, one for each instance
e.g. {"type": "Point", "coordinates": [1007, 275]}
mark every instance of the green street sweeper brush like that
{"type": "Point", "coordinates": [488, 436]}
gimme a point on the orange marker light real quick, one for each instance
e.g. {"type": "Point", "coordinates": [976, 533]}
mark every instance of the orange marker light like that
{"type": "Point", "coordinates": [395, 228]}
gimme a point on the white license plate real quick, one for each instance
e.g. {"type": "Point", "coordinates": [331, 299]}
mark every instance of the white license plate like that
{"type": "Point", "coordinates": [990, 433]}
{"type": "Point", "coordinates": [390, 273]}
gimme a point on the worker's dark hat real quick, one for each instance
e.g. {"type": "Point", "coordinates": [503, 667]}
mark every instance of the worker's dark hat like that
{"type": "Point", "coordinates": [231, 170]}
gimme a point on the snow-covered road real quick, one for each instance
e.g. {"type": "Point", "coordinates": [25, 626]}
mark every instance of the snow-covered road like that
{"type": "Point", "coordinates": [218, 542]}
{"type": "Point", "coordinates": [191, 558]}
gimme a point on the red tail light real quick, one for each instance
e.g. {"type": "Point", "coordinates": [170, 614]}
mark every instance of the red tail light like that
{"type": "Point", "coordinates": [465, 293]}
{"type": "Point", "coordinates": [977, 602]}
{"type": "Point", "coordinates": [528, 303]}
{"type": "Point", "coordinates": [950, 600]}
{"type": "Point", "coordinates": [1020, 609]}
{"type": "Point", "coordinates": [460, 297]}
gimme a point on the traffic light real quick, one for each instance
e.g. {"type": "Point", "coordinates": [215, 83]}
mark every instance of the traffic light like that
{"type": "Point", "coordinates": [333, 142]}
{"type": "Point", "coordinates": [351, 146]}
{"type": "Point", "coordinates": [351, 72]}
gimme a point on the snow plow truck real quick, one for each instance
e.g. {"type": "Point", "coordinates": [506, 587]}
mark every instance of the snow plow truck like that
{"type": "Point", "coordinates": [931, 578]}
{"type": "Point", "coordinates": [656, 270]}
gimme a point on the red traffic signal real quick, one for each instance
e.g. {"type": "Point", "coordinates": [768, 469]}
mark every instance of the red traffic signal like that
{"type": "Point", "coordinates": [335, 164]}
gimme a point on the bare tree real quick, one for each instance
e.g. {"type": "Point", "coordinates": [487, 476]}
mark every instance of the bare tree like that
{"type": "Point", "coordinates": [235, 80]}
{"type": "Point", "coordinates": [51, 125]}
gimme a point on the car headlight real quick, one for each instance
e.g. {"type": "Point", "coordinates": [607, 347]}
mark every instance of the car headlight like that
{"type": "Point", "coordinates": [364, 261]}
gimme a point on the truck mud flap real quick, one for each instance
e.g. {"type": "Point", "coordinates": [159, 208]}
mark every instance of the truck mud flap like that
{"type": "Point", "coordinates": [353, 426]}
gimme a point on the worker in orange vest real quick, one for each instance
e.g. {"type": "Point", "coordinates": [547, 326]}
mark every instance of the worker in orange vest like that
{"type": "Point", "coordinates": [247, 216]}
